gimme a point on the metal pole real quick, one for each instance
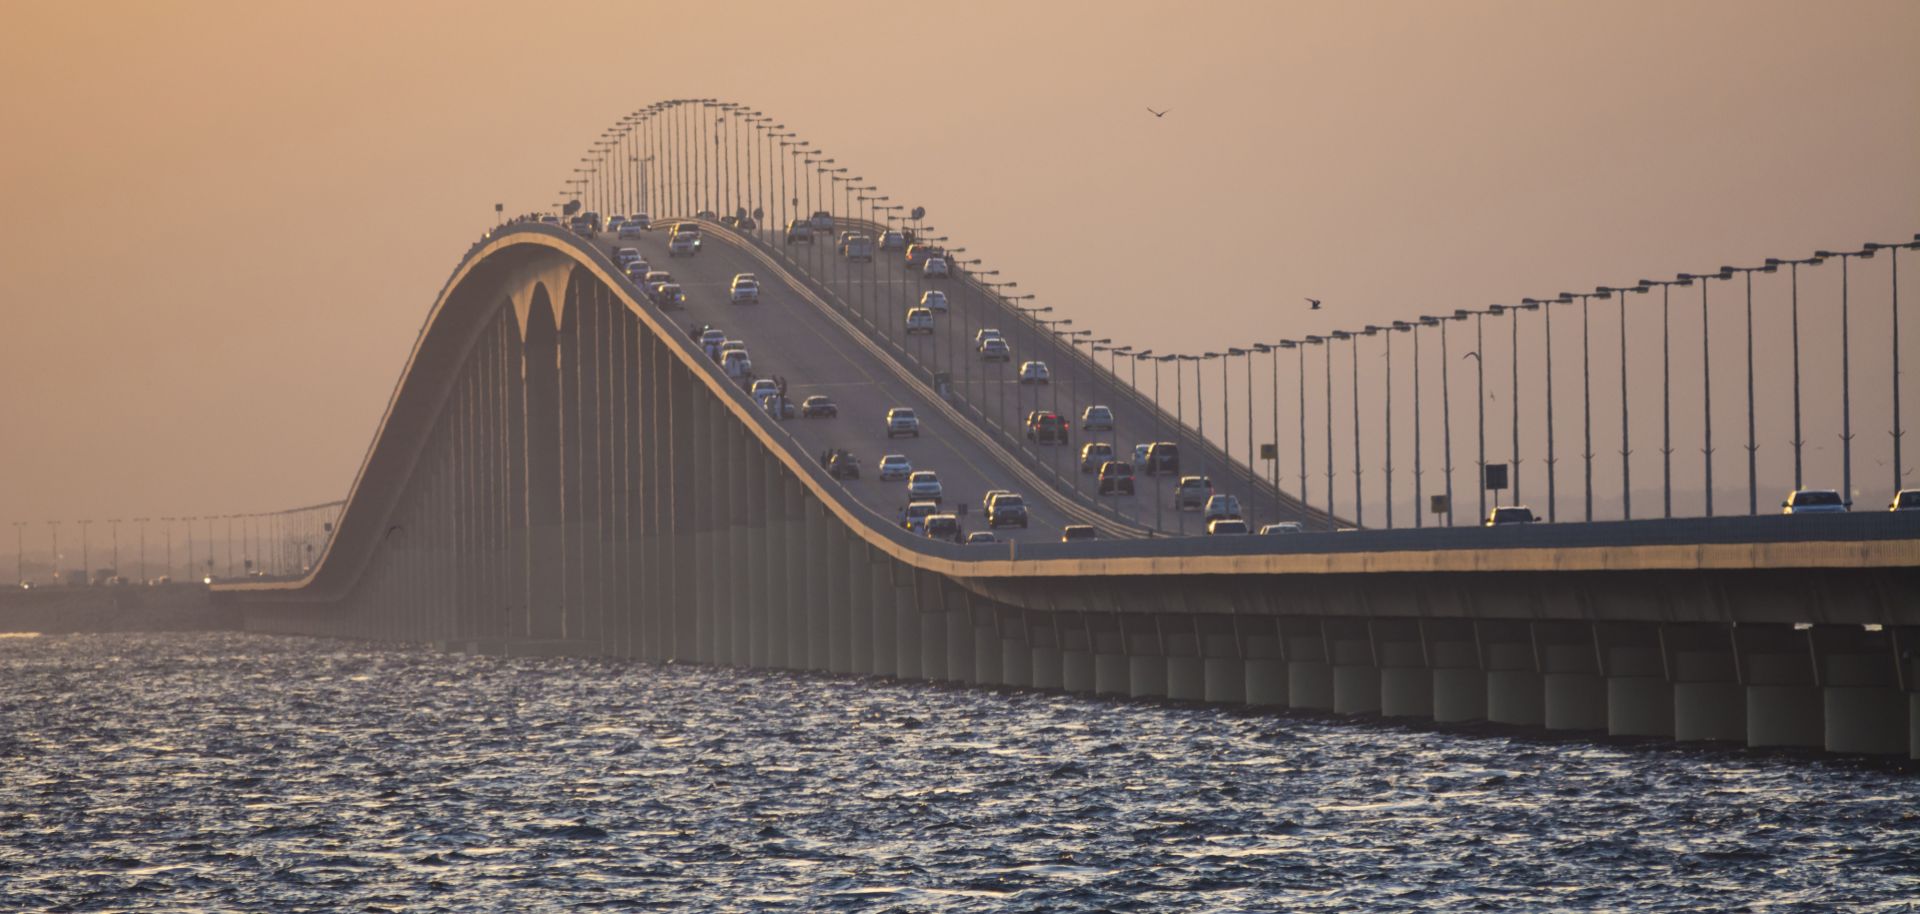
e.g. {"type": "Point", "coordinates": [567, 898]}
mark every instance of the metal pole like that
{"type": "Point", "coordinates": [1706, 393]}
{"type": "Point", "coordinates": [1553, 480]}
{"type": "Point", "coordinates": [1666, 402]}
{"type": "Point", "coordinates": [1513, 314]}
{"type": "Point", "coordinates": [1846, 389]}
{"type": "Point", "coordinates": [1330, 508]}
{"type": "Point", "coordinates": [1359, 505]}
{"type": "Point", "coordinates": [1389, 426]}
{"type": "Point", "coordinates": [1419, 497]}
{"type": "Point", "coordinates": [1626, 440]}
{"type": "Point", "coordinates": [1586, 399]}
{"type": "Point", "coordinates": [1302, 349]}
{"type": "Point", "coordinates": [1753, 444]}
{"type": "Point", "coordinates": [1446, 419]}
{"type": "Point", "coordinates": [1480, 374]}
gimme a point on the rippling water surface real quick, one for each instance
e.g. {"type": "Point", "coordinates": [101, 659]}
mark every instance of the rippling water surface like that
{"type": "Point", "coordinates": [230, 773]}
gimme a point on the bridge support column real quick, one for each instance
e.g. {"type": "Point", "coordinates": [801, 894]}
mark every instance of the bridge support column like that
{"type": "Point", "coordinates": [1146, 649]}
{"type": "Point", "coordinates": [929, 622]}
{"type": "Point", "coordinates": [1077, 654]}
{"type": "Point", "coordinates": [1016, 654]}
{"type": "Point", "coordinates": [1639, 698]}
{"type": "Point", "coordinates": [1406, 684]}
{"type": "Point", "coordinates": [1356, 675]}
{"type": "Point", "coordinates": [883, 616]}
{"type": "Point", "coordinates": [1043, 649]}
{"type": "Point", "coordinates": [1515, 694]}
{"type": "Point", "coordinates": [819, 596]}
{"type": "Point", "coordinates": [1709, 702]}
{"type": "Point", "coordinates": [1574, 692]}
{"type": "Point", "coordinates": [1309, 666]}
{"type": "Point", "coordinates": [909, 634]}
{"type": "Point", "coordinates": [1110, 675]}
{"type": "Point", "coordinates": [851, 592]}
{"type": "Point", "coordinates": [1865, 708]}
{"type": "Point", "coordinates": [1459, 677]}
{"type": "Point", "coordinates": [960, 634]}
{"type": "Point", "coordinates": [750, 632]}
{"type": "Point", "coordinates": [988, 668]}
{"type": "Point", "coordinates": [1181, 654]}
{"type": "Point", "coordinates": [1223, 671]}
{"type": "Point", "coordinates": [1266, 663]}
{"type": "Point", "coordinates": [1783, 702]}
{"type": "Point", "coordinates": [839, 606]}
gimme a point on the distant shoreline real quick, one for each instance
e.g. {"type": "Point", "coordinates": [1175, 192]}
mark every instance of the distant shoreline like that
{"type": "Point", "coordinates": [68, 610]}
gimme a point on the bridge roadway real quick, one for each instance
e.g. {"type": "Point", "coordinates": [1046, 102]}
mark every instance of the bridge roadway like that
{"type": "Point", "coordinates": [789, 336]}
{"type": "Point", "coordinates": [879, 294]}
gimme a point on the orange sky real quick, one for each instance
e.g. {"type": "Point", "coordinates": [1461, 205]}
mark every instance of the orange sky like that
{"type": "Point", "coordinates": [225, 221]}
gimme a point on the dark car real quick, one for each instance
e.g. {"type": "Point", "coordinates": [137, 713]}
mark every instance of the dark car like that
{"type": "Point", "coordinates": [1077, 533]}
{"type": "Point", "coordinates": [840, 464]}
{"type": "Point", "coordinates": [1116, 478]}
{"type": "Point", "coordinates": [818, 407]}
{"type": "Point", "coordinates": [799, 230]}
{"type": "Point", "coordinates": [1006, 510]}
{"type": "Point", "coordinates": [1046, 428]}
{"type": "Point", "coordinates": [1163, 459]}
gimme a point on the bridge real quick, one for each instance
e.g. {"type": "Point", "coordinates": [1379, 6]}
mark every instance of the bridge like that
{"type": "Point", "coordinates": [564, 469]}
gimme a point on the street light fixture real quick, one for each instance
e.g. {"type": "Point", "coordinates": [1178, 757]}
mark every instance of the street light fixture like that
{"type": "Point", "coordinates": [1706, 379]}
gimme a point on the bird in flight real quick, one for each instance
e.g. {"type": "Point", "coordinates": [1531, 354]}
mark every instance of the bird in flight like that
{"type": "Point", "coordinates": [1313, 304]}
{"type": "Point", "coordinates": [1158, 113]}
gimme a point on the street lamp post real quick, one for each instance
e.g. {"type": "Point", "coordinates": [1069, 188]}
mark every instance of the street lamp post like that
{"type": "Point", "coordinates": [1480, 374]}
{"type": "Point", "coordinates": [1753, 444]}
{"type": "Point", "coordinates": [1798, 441]}
{"type": "Point", "coordinates": [1846, 373]}
{"type": "Point", "coordinates": [1419, 495]}
{"type": "Point", "coordinates": [1388, 426]}
{"type": "Point", "coordinates": [1666, 388]}
{"type": "Point", "coordinates": [1893, 255]}
{"type": "Point", "coordinates": [1706, 379]}
{"type": "Point", "coordinates": [1329, 389]}
{"type": "Point", "coordinates": [1446, 411]}
{"type": "Point", "coordinates": [1626, 439]}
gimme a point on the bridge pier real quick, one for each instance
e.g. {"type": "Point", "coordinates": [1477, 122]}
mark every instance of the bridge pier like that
{"type": "Point", "coordinates": [913, 639]}
{"type": "Point", "coordinates": [1046, 660]}
{"type": "Point", "coordinates": [1783, 704]}
{"type": "Point", "coordinates": [1016, 652]}
{"type": "Point", "coordinates": [1356, 673]}
{"type": "Point", "coordinates": [1574, 694]}
{"type": "Point", "coordinates": [1309, 670]}
{"type": "Point", "coordinates": [1076, 652]}
{"type": "Point", "coordinates": [1110, 673]}
{"type": "Point", "coordinates": [1709, 702]}
{"type": "Point", "coordinates": [1146, 652]}
{"type": "Point", "coordinates": [1265, 662]}
{"type": "Point", "coordinates": [1224, 670]}
{"type": "Point", "coordinates": [872, 580]}
{"type": "Point", "coordinates": [1184, 657]}
{"type": "Point", "coordinates": [1406, 682]}
{"type": "Point", "coordinates": [1515, 694]}
{"type": "Point", "coordinates": [1865, 707]}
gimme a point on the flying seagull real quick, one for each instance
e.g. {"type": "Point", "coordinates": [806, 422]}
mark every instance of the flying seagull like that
{"type": "Point", "coordinates": [1314, 304]}
{"type": "Point", "coordinates": [1159, 113]}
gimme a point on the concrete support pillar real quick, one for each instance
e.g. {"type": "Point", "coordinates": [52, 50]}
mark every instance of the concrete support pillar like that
{"type": "Point", "coordinates": [1185, 660]}
{"type": "Point", "coordinates": [1266, 663]}
{"type": "Point", "coordinates": [1146, 650]}
{"type": "Point", "coordinates": [1639, 697]}
{"type": "Point", "coordinates": [1406, 684]}
{"type": "Point", "coordinates": [1110, 673]}
{"type": "Point", "coordinates": [1045, 659]}
{"type": "Point", "coordinates": [1356, 674]}
{"type": "Point", "coordinates": [795, 632]}
{"type": "Point", "coordinates": [1574, 693]}
{"type": "Point", "coordinates": [843, 629]}
{"type": "Point", "coordinates": [914, 638]}
{"type": "Point", "coordinates": [989, 668]}
{"type": "Point", "coordinates": [1865, 708]}
{"type": "Point", "coordinates": [960, 635]}
{"type": "Point", "coordinates": [1016, 656]}
{"type": "Point", "coordinates": [819, 621]}
{"type": "Point", "coordinates": [1309, 668]}
{"type": "Point", "coordinates": [1223, 671]}
{"type": "Point", "coordinates": [932, 625]}
{"type": "Point", "coordinates": [1076, 654]}
{"type": "Point", "coordinates": [1783, 706]}
{"type": "Point", "coordinates": [886, 602]}
{"type": "Point", "coordinates": [1515, 694]}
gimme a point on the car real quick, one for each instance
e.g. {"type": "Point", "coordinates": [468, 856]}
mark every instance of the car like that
{"type": "Point", "coordinates": [892, 240]}
{"type": "Point", "coordinates": [615, 221]}
{"type": "Point", "coordinates": [655, 277]}
{"type": "Point", "coordinates": [919, 254]}
{"type": "Point", "coordinates": [1035, 373]}
{"type": "Point", "coordinates": [934, 300]}
{"type": "Point", "coordinates": [1163, 459]}
{"type": "Point", "coordinates": [895, 466]}
{"type": "Point", "coordinates": [736, 364]}
{"type": "Point", "coordinates": [1046, 428]}
{"type": "Point", "coordinates": [1116, 478]}
{"type": "Point", "coordinates": [638, 270]}
{"type": "Point", "coordinates": [711, 340]}
{"type": "Point", "coordinates": [1096, 419]}
{"type": "Point", "coordinates": [819, 407]}
{"type": "Point", "coordinates": [942, 527]}
{"type": "Point", "coordinates": [626, 256]}
{"type": "Point", "coordinates": [1905, 500]}
{"type": "Point", "coordinates": [637, 223]}
{"type": "Point", "coordinates": [1192, 493]}
{"type": "Point", "coordinates": [978, 537]}
{"type": "Point", "coordinates": [706, 214]}
{"type": "Point", "coordinates": [934, 268]}
{"type": "Point", "coordinates": [902, 421]}
{"type": "Point", "coordinates": [727, 346]}
{"type": "Point", "coordinates": [857, 248]}
{"type": "Point", "coordinates": [762, 387]}
{"type": "Point", "coordinates": [992, 494]}
{"type": "Point", "coordinates": [592, 219]}
{"type": "Point", "coordinates": [1511, 514]}
{"type": "Point", "coordinates": [799, 230]}
{"type": "Point", "coordinates": [822, 221]}
{"type": "Point", "coordinates": [580, 225]}
{"type": "Point", "coordinates": [1006, 509]}
{"type": "Point", "coordinates": [914, 518]}
{"type": "Point", "coordinates": [1093, 454]}
{"type": "Point", "coordinates": [919, 320]}
{"type": "Point", "coordinates": [745, 288]}
{"type": "Point", "coordinates": [1140, 456]}
{"type": "Point", "coordinates": [841, 464]}
{"type": "Point", "coordinates": [776, 406]}
{"type": "Point", "coordinates": [1077, 533]}
{"type": "Point", "coordinates": [980, 337]}
{"type": "Point", "coordinates": [924, 485]}
{"type": "Point", "coordinates": [1814, 501]}
{"type": "Point", "coordinates": [995, 350]}
{"type": "Point", "coordinates": [668, 295]}
{"type": "Point", "coordinates": [1219, 506]}
{"type": "Point", "coordinates": [683, 243]}
{"type": "Point", "coordinates": [1226, 526]}
{"type": "Point", "coordinates": [1282, 528]}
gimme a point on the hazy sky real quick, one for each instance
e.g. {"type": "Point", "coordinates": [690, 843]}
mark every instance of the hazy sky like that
{"type": "Point", "coordinates": [223, 222]}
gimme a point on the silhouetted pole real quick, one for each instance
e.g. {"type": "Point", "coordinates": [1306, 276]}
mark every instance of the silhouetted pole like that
{"type": "Point", "coordinates": [1626, 439]}
{"type": "Point", "coordinates": [1329, 351]}
{"type": "Point", "coordinates": [1706, 380]}
{"type": "Point", "coordinates": [1388, 433]}
{"type": "Point", "coordinates": [1893, 255]}
{"type": "Point", "coordinates": [1553, 479]}
{"type": "Point", "coordinates": [1419, 470]}
{"type": "Point", "coordinates": [1753, 443]}
{"type": "Point", "coordinates": [1586, 397]}
{"type": "Point", "coordinates": [1480, 373]}
{"type": "Point", "coordinates": [1301, 347]}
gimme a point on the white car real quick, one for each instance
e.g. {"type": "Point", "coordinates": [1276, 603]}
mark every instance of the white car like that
{"type": "Point", "coordinates": [1511, 514]}
{"type": "Point", "coordinates": [919, 320]}
{"type": "Point", "coordinates": [1096, 419]}
{"type": "Point", "coordinates": [736, 364]}
{"type": "Point", "coordinates": [626, 256]}
{"type": "Point", "coordinates": [684, 242]}
{"type": "Point", "coordinates": [1035, 373]}
{"type": "Point", "coordinates": [980, 337]}
{"type": "Point", "coordinates": [895, 466]}
{"type": "Point", "coordinates": [1814, 501]}
{"type": "Point", "coordinates": [924, 485]}
{"type": "Point", "coordinates": [934, 300]}
{"type": "Point", "coordinates": [915, 517]}
{"type": "Point", "coordinates": [902, 421]}
{"type": "Point", "coordinates": [995, 350]}
{"type": "Point", "coordinates": [1282, 528]}
{"type": "Point", "coordinates": [761, 387]}
{"type": "Point", "coordinates": [1905, 500]}
{"type": "Point", "coordinates": [1140, 456]}
{"type": "Point", "coordinates": [745, 289]}
{"type": "Point", "coordinates": [1226, 526]}
{"type": "Point", "coordinates": [893, 240]}
{"type": "Point", "coordinates": [935, 267]}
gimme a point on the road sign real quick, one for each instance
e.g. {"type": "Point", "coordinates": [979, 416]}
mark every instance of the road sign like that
{"type": "Point", "coordinates": [1269, 452]}
{"type": "Point", "coordinates": [1437, 504]}
{"type": "Point", "coordinates": [1495, 476]}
